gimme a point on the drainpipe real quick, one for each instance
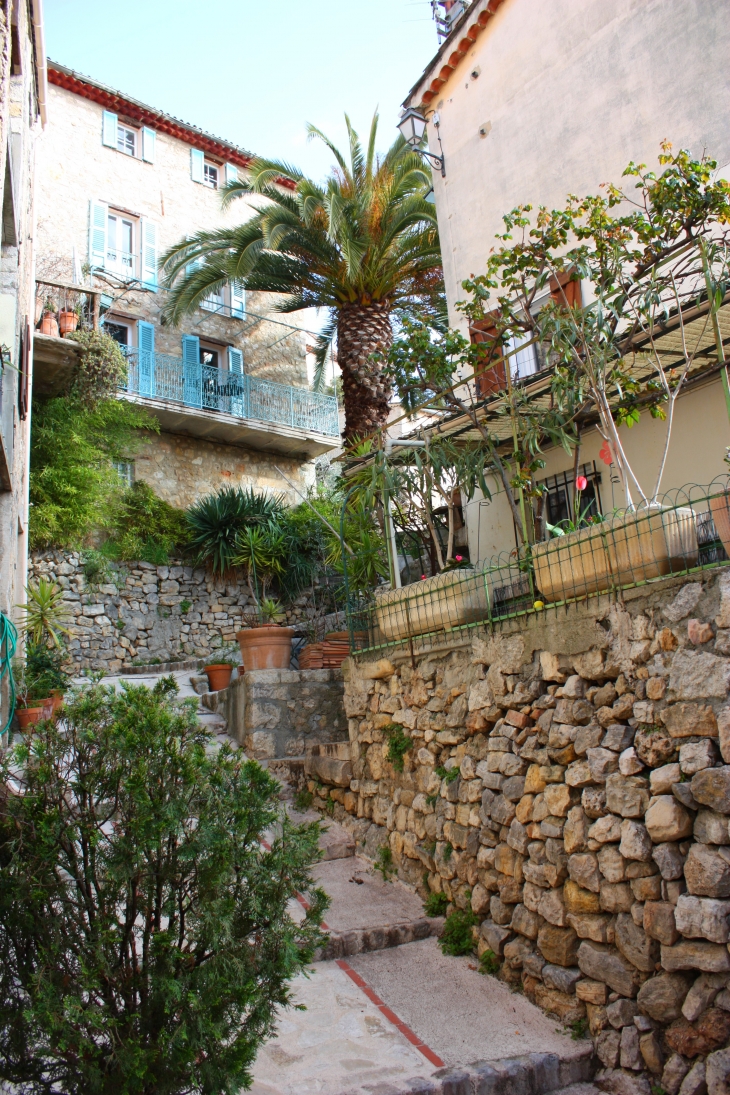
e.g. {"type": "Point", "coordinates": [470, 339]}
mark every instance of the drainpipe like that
{"type": "Point", "coordinates": [40, 59]}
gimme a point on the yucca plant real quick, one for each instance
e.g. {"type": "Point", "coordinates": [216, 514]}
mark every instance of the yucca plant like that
{"type": "Point", "coordinates": [364, 245]}
{"type": "Point", "coordinates": [216, 522]}
{"type": "Point", "coordinates": [46, 614]}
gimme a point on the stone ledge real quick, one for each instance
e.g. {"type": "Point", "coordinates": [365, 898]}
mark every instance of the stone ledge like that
{"type": "Point", "coordinates": [361, 940]}
{"type": "Point", "coordinates": [533, 1074]}
{"type": "Point", "coordinates": [160, 667]}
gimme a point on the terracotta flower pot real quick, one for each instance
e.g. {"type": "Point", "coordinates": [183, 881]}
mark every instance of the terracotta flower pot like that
{"type": "Point", "coordinates": [720, 510]}
{"type": "Point", "coordinates": [28, 716]}
{"type": "Point", "coordinates": [67, 321]}
{"type": "Point", "coordinates": [266, 647]}
{"type": "Point", "coordinates": [57, 699]}
{"type": "Point", "coordinates": [49, 324]}
{"type": "Point", "coordinates": [219, 676]}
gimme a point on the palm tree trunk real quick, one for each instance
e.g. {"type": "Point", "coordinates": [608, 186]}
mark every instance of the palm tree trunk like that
{"type": "Point", "coordinates": [363, 330]}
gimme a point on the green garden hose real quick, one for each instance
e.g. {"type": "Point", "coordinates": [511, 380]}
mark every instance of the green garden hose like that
{"type": "Point", "coordinates": [8, 646]}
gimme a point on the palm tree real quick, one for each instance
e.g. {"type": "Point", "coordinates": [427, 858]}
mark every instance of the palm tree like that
{"type": "Point", "coordinates": [363, 245]}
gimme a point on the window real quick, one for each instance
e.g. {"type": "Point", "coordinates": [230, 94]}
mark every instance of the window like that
{"type": "Point", "coordinates": [556, 503]}
{"type": "Point", "coordinates": [126, 140]}
{"type": "Point", "coordinates": [125, 471]}
{"type": "Point", "coordinates": [524, 362]}
{"type": "Point", "coordinates": [209, 356]}
{"type": "Point", "coordinates": [118, 331]}
{"type": "Point", "coordinates": [210, 175]}
{"type": "Point", "coordinates": [120, 245]}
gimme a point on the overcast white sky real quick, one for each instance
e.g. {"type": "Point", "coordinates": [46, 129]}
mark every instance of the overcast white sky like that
{"type": "Point", "coordinates": [253, 71]}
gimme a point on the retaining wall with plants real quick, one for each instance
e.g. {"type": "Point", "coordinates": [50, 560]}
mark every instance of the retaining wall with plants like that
{"type": "Point", "coordinates": [565, 782]}
{"type": "Point", "coordinates": [135, 613]}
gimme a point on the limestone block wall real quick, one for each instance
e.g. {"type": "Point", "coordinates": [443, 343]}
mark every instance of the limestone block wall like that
{"type": "Point", "coordinates": [568, 780]}
{"type": "Point", "coordinates": [149, 612]}
{"type": "Point", "coordinates": [277, 713]}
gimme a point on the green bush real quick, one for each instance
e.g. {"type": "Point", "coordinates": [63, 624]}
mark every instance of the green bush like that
{"type": "Point", "coordinates": [489, 963]}
{"type": "Point", "coordinates": [457, 938]}
{"type": "Point", "coordinates": [101, 370]}
{"type": "Point", "coordinates": [216, 522]}
{"type": "Point", "coordinates": [146, 527]}
{"type": "Point", "coordinates": [145, 941]}
{"type": "Point", "coordinates": [384, 862]}
{"type": "Point", "coordinates": [436, 904]}
{"type": "Point", "coordinates": [74, 488]}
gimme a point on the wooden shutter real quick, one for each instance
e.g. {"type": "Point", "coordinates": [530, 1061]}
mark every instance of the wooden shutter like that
{"type": "Point", "coordinates": [148, 145]}
{"type": "Point", "coordinates": [235, 359]}
{"type": "Point", "coordinates": [197, 161]}
{"type": "Point", "coordinates": [146, 351]}
{"type": "Point", "coordinates": [493, 377]}
{"type": "Point", "coordinates": [109, 122]}
{"type": "Point", "coordinates": [148, 233]}
{"type": "Point", "coordinates": [565, 286]}
{"type": "Point", "coordinates": [238, 300]}
{"type": "Point", "coordinates": [192, 374]}
{"type": "Point", "coordinates": [98, 216]}
{"type": "Point", "coordinates": [24, 378]}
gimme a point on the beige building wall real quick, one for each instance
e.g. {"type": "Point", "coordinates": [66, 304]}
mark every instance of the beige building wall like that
{"type": "Point", "coordinates": [556, 98]}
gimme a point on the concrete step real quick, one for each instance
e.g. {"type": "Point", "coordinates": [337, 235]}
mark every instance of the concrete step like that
{"type": "Point", "coordinates": [335, 842]}
{"type": "Point", "coordinates": [408, 1021]}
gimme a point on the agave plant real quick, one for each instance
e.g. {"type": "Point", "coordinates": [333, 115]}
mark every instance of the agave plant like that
{"type": "Point", "coordinates": [216, 522]}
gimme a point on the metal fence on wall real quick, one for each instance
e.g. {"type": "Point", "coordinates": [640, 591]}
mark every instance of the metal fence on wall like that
{"type": "Point", "coordinates": [154, 375]}
{"type": "Point", "coordinates": [686, 532]}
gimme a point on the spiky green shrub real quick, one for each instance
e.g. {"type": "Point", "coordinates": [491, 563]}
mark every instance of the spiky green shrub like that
{"type": "Point", "coordinates": [216, 522]}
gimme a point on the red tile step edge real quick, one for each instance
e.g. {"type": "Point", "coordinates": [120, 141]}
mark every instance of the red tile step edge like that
{"type": "Point", "coordinates": [429, 1054]}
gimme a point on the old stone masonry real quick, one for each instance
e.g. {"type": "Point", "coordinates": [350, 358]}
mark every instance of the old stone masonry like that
{"type": "Point", "coordinates": [142, 612]}
{"type": "Point", "coordinates": [568, 780]}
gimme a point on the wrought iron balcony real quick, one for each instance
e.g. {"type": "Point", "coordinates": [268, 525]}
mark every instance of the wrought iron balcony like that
{"type": "Point", "coordinates": [163, 377]}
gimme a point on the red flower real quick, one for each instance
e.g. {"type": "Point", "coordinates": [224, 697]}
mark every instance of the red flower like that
{"type": "Point", "coordinates": [423, 577]}
{"type": "Point", "coordinates": [458, 558]}
{"type": "Point", "coordinates": [605, 453]}
{"type": "Point", "coordinates": [581, 482]}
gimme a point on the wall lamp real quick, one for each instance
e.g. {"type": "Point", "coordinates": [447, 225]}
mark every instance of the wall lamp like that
{"type": "Point", "coordinates": [412, 126]}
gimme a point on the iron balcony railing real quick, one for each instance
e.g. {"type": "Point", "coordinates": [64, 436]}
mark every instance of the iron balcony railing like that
{"type": "Point", "coordinates": [162, 376]}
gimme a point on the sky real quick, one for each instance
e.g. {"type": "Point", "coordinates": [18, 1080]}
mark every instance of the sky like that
{"type": "Point", "coordinates": [254, 72]}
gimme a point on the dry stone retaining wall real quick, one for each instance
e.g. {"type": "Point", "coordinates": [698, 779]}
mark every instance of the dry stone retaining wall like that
{"type": "Point", "coordinates": [148, 612]}
{"type": "Point", "coordinates": [587, 828]}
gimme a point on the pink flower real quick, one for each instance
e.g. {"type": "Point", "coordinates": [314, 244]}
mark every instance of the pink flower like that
{"type": "Point", "coordinates": [423, 577]}
{"type": "Point", "coordinates": [581, 482]}
{"type": "Point", "coordinates": [458, 558]}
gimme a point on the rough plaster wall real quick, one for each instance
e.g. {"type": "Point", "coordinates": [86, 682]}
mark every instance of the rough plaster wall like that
{"type": "Point", "coordinates": [588, 826]}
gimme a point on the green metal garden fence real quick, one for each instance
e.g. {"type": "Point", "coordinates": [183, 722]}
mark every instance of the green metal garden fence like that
{"type": "Point", "coordinates": [684, 532]}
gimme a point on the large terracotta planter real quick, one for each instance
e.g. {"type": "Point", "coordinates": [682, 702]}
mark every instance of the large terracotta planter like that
{"type": "Point", "coordinates": [266, 647]}
{"type": "Point", "coordinates": [49, 324]}
{"type": "Point", "coordinates": [28, 716]}
{"type": "Point", "coordinates": [720, 510]}
{"type": "Point", "coordinates": [57, 699]}
{"type": "Point", "coordinates": [447, 600]}
{"type": "Point", "coordinates": [219, 676]}
{"type": "Point", "coordinates": [67, 321]}
{"type": "Point", "coordinates": [632, 548]}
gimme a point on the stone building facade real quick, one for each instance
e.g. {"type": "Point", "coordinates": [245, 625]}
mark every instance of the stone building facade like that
{"type": "Point", "coordinates": [119, 184]}
{"type": "Point", "coordinates": [567, 779]}
{"type": "Point", "coordinates": [23, 95]}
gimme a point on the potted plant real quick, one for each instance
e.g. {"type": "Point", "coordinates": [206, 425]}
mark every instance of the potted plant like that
{"type": "Point", "coordinates": [49, 322]}
{"type": "Point", "coordinates": [45, 665]}
{"type": "Point", "coordinates": [68, 319]}
{"type": "Point", "coordinates": [219, 674]}
{"type": "Point", "coordinates": [32, 699]}
{"type": "Point", "coordinates": [266, 644]}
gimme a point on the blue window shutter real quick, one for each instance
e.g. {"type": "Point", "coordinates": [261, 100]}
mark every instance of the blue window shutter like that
{"type": "Point", "coordinates": [231, 173]}
{"type": "Point", "coordinates": [238, 300]}
{"type": "Point", "coordinates": [98, 214]}
{"type": "Point", "coordinates": [148, 233]}
{"type": "Point", "coordinates": [148, 145]}
{"type": "Point", "coordinates": [197, 160]}
{"type": "Point", "coordinates": [146, 358]}
{"type": "Point", "coordinates": [109, 123]}
{"type": "Point", "coordinates": [235, 359]}
{"type": "Point", "coordinates": [192, 373]}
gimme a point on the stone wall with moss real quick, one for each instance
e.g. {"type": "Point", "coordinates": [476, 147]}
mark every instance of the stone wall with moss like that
{"type": "Point", "coordinates": [567, 779]}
